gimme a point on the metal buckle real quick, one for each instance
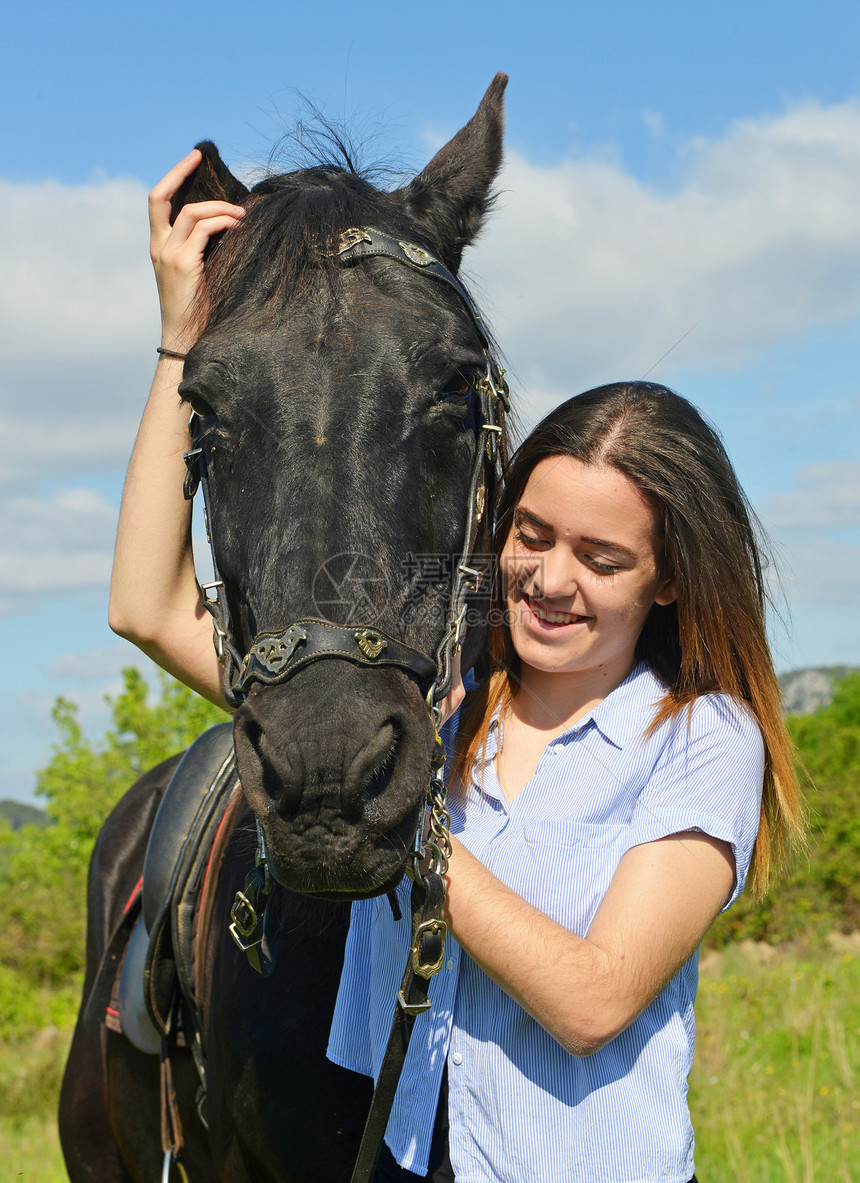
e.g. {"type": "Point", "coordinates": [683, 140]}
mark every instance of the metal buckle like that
{"type": "Point", "coordinates": [413, 1008]}
{"type": "Point", "coordinates": [244, 916]}
{"type": "Point", "coordinates": [207, 587]}
{"type": "Point", "coordinates": [428, 928]}
{"type": "Point", "coordinates": [476, 575]}
{"type": "Point", "coordinates": [244, 945]}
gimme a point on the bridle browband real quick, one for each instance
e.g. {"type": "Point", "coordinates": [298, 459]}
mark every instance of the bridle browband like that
{"type": "Point", "coordinates": [274, 657]}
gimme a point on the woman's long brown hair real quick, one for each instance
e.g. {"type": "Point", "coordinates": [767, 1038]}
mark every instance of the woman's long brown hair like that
{"type": "Point", "coordinates": [713, 638]}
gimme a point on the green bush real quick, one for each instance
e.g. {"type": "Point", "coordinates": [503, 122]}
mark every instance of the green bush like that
{"type": "Point", "coordinates": [823, 892]}
{"type": "Point", "coordinates": [43, 875]}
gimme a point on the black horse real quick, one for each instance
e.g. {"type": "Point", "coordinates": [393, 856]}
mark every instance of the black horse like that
{"type": "Point", "coordinates": [342, 425]}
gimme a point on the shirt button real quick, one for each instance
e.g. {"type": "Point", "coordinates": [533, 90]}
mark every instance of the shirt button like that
{"type": "Point", "coordinates": [558, 749]}
{"type": "Point", "coordinates": [450, 963]}
{"type": "Point", "coordinates": [457, 1058]}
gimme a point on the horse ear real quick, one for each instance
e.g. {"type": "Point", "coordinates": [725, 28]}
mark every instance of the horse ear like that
{"type": "Point", "coordinates": [451, 197]}
{"type": "Point", "coordinates": [210, 181]}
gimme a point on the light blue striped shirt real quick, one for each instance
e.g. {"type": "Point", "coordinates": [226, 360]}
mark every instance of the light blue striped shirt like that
{"type": "Point", "coordinates": [521, 1109]}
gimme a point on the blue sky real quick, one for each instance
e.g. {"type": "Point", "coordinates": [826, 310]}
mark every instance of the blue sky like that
{"type": "Point", "coordinates": [680, 197]}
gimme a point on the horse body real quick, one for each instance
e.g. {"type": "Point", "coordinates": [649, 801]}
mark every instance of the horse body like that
{"type": "Point", "coordinates": [341, 425]}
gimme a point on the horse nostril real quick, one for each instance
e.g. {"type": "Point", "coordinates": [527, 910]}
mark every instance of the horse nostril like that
{"type": "Point", "coordinates": [257, 772]}
{"type": "Point", "coordinates": [380, 776]}
{"type": "Point", "coordinates": [371, 771]}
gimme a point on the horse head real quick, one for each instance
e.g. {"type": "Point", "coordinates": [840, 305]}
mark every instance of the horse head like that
{"type": "Point", "coordinates": [341, 395]}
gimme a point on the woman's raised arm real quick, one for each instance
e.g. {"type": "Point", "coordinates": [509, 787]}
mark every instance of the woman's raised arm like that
{"type": "Point", "coordinates": [155, 600]}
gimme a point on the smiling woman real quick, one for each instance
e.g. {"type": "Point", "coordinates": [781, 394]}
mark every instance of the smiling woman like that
{"type": "Point", "coordinates": [616, 778]}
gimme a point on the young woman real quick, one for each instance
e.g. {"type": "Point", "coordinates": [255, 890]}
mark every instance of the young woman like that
{"type": "Point", "coordinates": [612, 784]}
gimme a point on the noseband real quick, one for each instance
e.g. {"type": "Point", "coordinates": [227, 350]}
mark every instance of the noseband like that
{"type": "Point", "coordinates": [274, 657]}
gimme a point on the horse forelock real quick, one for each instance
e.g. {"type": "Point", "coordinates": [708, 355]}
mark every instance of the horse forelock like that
{"type": "Point", "coordinates": [287, 241]}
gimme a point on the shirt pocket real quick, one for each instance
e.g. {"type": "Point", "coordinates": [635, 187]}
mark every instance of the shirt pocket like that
{"type": "Point", "coordinates": [562, 868]}
{"type": "Point", "coordinates": [568, 832]}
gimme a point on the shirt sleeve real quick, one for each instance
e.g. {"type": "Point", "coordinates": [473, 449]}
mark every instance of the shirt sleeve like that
{"type": "Point", "coordinates": [349, 1039]}
{"type": "Point", "coordinates": [374, 956]}
{"type": "Point", "coordinates": [709, 778]}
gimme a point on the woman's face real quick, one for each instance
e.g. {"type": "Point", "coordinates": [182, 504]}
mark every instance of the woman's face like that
{"type": "Point", "coordinates": [581, 569]}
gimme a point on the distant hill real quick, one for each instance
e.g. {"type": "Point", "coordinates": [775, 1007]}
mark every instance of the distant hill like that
{"type": "Point", "coordinates": [17, 814]}
{"type": "Point", "coordinates": [805, 691]}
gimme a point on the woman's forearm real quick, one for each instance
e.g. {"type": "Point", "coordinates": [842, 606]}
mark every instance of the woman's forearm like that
{"type": "Point", "coordinates": [155, 600]}
{"type": "Point", "coordinates": [551, 973]}
{"type": "Point", "coordinates": [584, 991]}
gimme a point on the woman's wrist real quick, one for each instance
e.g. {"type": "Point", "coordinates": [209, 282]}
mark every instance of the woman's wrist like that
{"type": "Point", "coordinates": [177, 329]}
{"type": "Point", "coordinates": [174, 342]}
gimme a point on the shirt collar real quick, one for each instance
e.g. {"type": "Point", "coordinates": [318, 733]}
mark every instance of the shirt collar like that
{"type": "Point", "coordinates": [622, 716]}
{"type": "Point", "coordinates": [627, 710]}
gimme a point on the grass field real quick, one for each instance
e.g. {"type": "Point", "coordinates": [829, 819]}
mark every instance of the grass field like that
{"type": "Point", "coordinates": [29, 1085]}
{"type": "Point", "coordinates": [775, 1092]}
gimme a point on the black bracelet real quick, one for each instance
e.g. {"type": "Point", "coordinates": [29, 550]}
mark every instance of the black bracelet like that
{"type": "Point", "coordinates": [170, 353]}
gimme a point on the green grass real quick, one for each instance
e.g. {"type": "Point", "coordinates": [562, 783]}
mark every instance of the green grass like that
{"type": "Point", "coordinates": [30, 1075]}
{"type": "Point", "coordinates": [30, 1150]}
{"type": "Point", "coordinates": [775, 1091]}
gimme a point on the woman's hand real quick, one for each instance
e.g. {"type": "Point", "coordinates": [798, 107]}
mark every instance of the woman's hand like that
{"type": "Point", "coordinates": [177, 251]}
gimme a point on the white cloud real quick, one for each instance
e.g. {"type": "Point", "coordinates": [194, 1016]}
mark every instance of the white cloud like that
{"type": "Point", "coordinates": [594, 275]}
{"type": "Point", "coordinates": [827, 497]}
{"type": "Point", "coordinates": [822, 572]}
{"type": "Point", "coordinates": [106, 662]}
{"type": "Point", "coordinates": [93, 712]}
{"type": "Point", "coordinates": [37, 445]}
{"type": "Point", "coordinates": [60, 543]}
{"type": "Point", "coordinates": [78, 326]}
{"type": "Point", "coordinates": [55, 570]}
{"type": "Point", "coordinates": [75, 280]}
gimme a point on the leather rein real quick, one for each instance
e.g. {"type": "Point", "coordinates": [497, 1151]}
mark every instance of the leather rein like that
{"type": "Point", "coordinates": [274, 657]}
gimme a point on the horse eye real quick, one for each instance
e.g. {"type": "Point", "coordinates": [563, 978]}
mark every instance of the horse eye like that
{"type": "Point", "coordinates": [200, 406]}
{"type": "Point", "coordinates": [459, 387]}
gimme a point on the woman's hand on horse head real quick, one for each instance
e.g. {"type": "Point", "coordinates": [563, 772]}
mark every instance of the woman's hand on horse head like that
{"type": "Point", "coordinates": [177, 251]}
